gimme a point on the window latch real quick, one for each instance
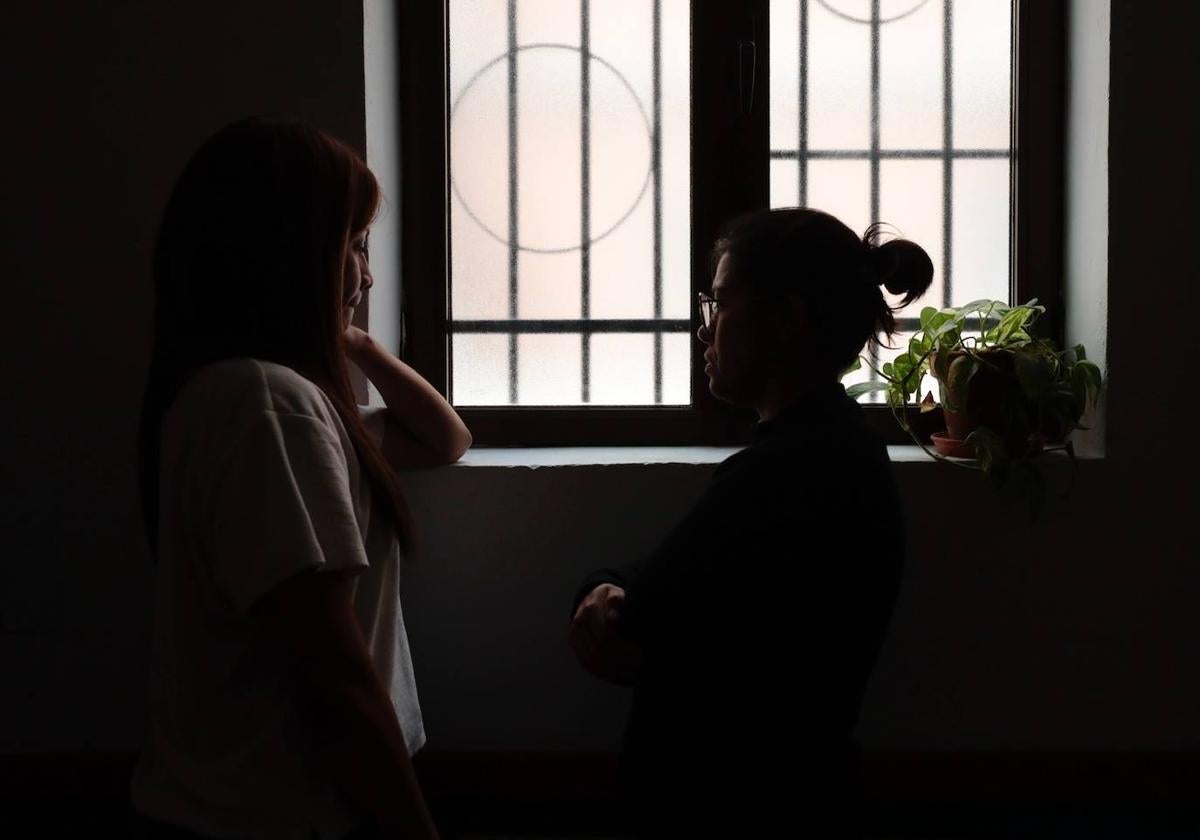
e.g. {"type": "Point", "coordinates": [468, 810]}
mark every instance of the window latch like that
{"type": "Point", "coordinates": [747, 60]}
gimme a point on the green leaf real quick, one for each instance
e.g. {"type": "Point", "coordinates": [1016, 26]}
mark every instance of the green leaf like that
{"type": "Point", "coordinates": [909, 370]}
{"type": "Point", "coordinates": [1060, 413]}
{"type": "Point", "coordinates": [1080, 353]}
{"type": "Point", "coordinates": [1015, 319]}
{"type": "Point", "coordinates": [977, 305]}
{"type": "Point", "coordinates": [941, 365]}
{"type": "Point", "coordinates": [990, 452]}
{"type": "Point", "coordinates": [937, 320]}
{"type": "Point", "coordinates": [1086, 381]}
{"type": "Point", "coordinates": [859, 388]}
{"type": "Point", "coordinates": [926, 316]}
{"type": "Point", "coordinates": [1033, 373]}
{"type": "Point", "coordinates": [943, 329]}
{"type": "Point", "coordinates": [855, 365]}
{"type": "Point", "coordinates": [958, 376]}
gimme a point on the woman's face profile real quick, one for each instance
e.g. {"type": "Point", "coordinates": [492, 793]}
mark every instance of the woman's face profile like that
{"type": "Point", "coordinates": [738, 348]}
{"type": "Point", "coordinates": [356, 276]}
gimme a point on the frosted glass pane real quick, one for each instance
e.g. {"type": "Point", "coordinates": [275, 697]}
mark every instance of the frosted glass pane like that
{"type": "Point", "coordinates": [839, 92]}
{"type": "Point", "coordinates": [981, 230]}
{"type": "Point", "coordinates": [549, 369]}
{"type": "Point", "coordinates": [582, 185]}
{"type": "Point", "coordinates": [982, 74]}
{"type": "Point", "coordinates": [549, 285]}
{"type": "Point", "coordinates": [843, 189]}
{"type": "Point", "coordinates": [478, 269]}
{"type": "Point", "coordinates": [547, 22]}
{"type": "Point", "coordinates": [549, 148]}
{"type": "Point", "coordinates": [785, 74]}
{"type": "Point", "coordinates": [621, 102]}
{"type": "Point", "coordinates": [480, 369]}
{"type": "Point", "coordinates": [478, 35]}
{"type": "Point", "coordinates": [676, 132]}
{"type": "Point", "coordinates": [622, 369]}
{"type": "Point", "coordinates": [910, 200]}
{"type": "Point", "coordinates": [785, 183]}
{"type": "Point", "coordinates": [677, 368]}
{"type": "Point", "coordinates": [623, 269]}
{"type": "Point", "coordinates": [478, 260]}
{"type": "Point", "coordinates": [910, 80]}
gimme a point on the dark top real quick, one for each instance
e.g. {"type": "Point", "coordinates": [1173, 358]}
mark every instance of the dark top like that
{"type": "Point", "coordinates": [760, 618]}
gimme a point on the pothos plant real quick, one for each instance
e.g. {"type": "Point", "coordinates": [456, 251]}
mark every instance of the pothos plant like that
{"type": "Point", "coordinates": [1007, 394]}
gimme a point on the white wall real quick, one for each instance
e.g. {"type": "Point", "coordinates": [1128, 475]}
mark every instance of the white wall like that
{"type": "Point", "coordinates": [383, 156]}
{"type": "Point", "coordinates": [1086, 208]}
{"type": "Point", "coordinates": [1078, 632]}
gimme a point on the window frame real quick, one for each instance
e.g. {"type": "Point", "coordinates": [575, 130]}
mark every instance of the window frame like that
{"type": "Point", "coordinates": [731, 144]}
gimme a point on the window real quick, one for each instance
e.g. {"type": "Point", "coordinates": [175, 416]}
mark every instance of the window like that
{"type": "Point", "coordinates": [872, 118]}
{"type": "Point", "coordinates": [569, 138]}
{"type": "Point", "coordinates": [567, 164]}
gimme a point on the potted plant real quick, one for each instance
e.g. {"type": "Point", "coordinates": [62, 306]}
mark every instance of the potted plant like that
{"type": "Point", "coordinates": [1007, 394]}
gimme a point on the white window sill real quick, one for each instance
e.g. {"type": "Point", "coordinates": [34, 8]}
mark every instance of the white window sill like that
{"type": "Point", "coordinates": [578, 456]}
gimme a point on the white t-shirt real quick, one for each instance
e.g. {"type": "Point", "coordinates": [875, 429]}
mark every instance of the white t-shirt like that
{"type": "Point", "coordinates": [258, 481]}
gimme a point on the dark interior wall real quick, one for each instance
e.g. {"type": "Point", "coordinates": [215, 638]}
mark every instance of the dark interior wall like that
{"type": "Point", "coordinates": [1153, 184]}
{"type": "Point", "coordinates": [1084, 641]}
{"type": "Point", "coordinates": [103, 102]}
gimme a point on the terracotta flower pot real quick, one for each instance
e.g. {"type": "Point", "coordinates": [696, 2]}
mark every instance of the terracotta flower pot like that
{"type": "Point", "coordinates": [993, 398]}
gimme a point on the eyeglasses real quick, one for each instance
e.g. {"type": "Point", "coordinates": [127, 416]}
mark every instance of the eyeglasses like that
{"type": "Point", "coordinates": [708, 310]}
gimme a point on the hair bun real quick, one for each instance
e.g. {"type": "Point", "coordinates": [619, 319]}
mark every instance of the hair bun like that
{"type": "Point", "coordinates": [901, 266]}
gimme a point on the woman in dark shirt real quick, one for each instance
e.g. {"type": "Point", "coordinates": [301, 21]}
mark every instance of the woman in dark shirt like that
{"type": "Point", "coordinates": [749, 635]}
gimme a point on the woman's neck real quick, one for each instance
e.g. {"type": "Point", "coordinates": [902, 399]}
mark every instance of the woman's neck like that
{"type": "Point", "coordinates": [784, 392]}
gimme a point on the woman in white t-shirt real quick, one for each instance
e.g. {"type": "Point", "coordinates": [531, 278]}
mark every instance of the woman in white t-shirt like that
{"type": "Point", "coordinates": [283, 700]}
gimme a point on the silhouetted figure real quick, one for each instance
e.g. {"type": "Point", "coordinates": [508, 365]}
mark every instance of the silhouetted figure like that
{"type": "Point", "coordinates": [749, 635]}
{"type": "Point", "coordinates": [283, 701]}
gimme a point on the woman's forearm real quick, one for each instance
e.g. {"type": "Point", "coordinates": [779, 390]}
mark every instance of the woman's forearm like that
{"type": "Point", "coordinates": [412, 403]}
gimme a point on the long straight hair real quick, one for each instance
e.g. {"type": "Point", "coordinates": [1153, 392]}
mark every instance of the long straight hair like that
{"type": "Point", "coordinates": [249, 263]}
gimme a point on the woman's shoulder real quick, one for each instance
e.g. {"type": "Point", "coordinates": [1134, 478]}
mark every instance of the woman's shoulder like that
{"type": "Point", "coordinates": [243, 387]}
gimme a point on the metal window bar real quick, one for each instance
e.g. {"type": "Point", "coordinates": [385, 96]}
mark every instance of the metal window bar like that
{"type": "Point", "coordinates": [585, 209]}
{"type": "Point", "coordinates": [573, 325]}
{"type": "Point", "coordinates": [618, 325]}
{"type": "Point", "coordinates": [873, 347]}
{"type": "Point", "coordinates": [656, 153]}
{"type": "Point", "coordinates": [947, 146]}
{"type": "Point", "coordinates": [888, 154]}
{"type": "Point", "coordinates": [513, 229]}
{"type": "Point", "coordinates": [874, 111]}
{"type": "Point", "coordinates": [803, 154]}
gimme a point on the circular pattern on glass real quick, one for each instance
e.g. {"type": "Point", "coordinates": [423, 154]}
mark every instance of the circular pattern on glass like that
{"type": "Point", "coordinates": [886, 14]}
{"type": "Point", "coordinates": [603, 226]}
